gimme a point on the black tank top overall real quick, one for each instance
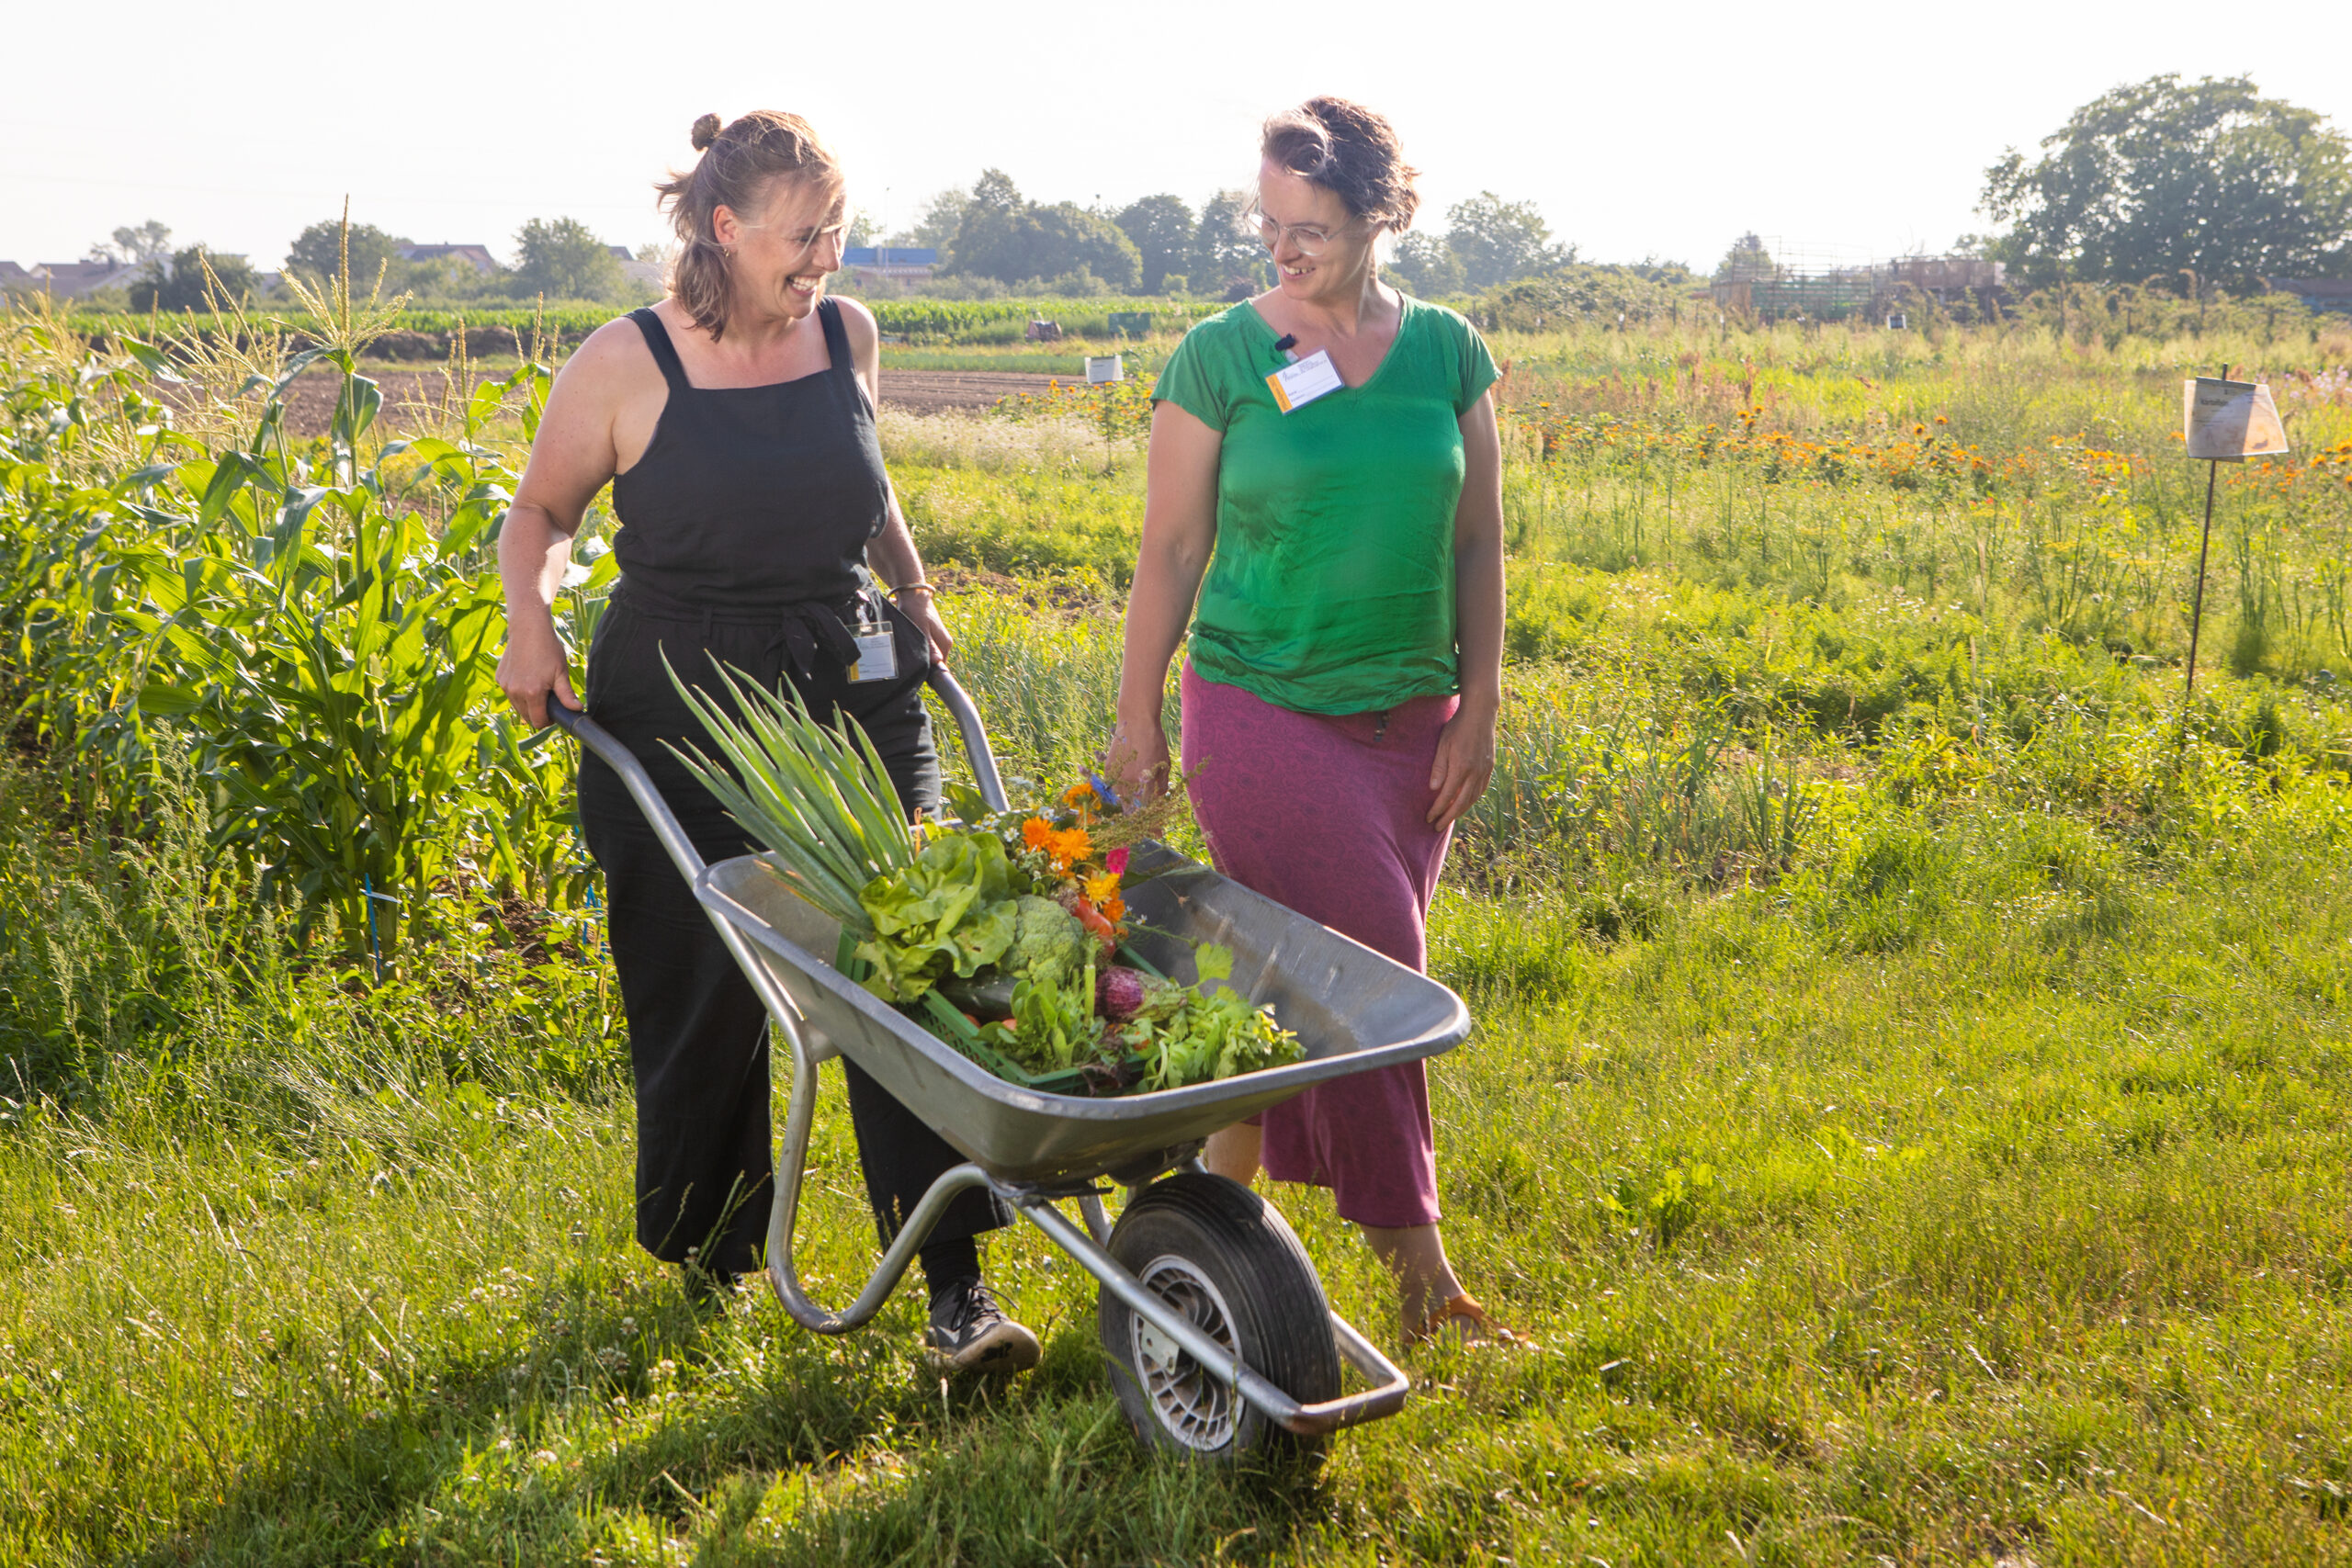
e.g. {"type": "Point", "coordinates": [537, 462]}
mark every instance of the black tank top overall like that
{"type": "Point", "coordinates": [742, 539]}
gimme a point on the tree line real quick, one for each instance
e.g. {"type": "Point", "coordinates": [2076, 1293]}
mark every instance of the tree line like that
{"type": "Point", "coordinates": [555, 258]}
{"type": "Point", "coordinates": [989, 233]}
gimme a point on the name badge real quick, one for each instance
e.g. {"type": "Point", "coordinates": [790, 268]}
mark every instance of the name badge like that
{"type": "Point", "coordinates": [1300, 383]}
{"type": "Point", "coordinates": [877, 654]}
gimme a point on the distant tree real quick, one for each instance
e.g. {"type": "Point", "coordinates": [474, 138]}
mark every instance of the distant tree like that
{"type": "Point", "coordinates": [1746, 261]}
{"type": "Point", "coordinates": [1224, 256]}
{"type": "Point", "coordinates": [562, 258]}
{"type": "Point", "coordinates": [1161, 228]}
{"type": "Point", "coordinates": [1009, 237]}
{"type": "Point", "coordinates": [318, 252]}
{"type": "Point", "coordinates": [177, 282]}
{"type": "Point", "coordinates": [1424, 265]}
{"type": "Point", "coordinates": [2164, 176]}
{"type": "Point", "coordinates": [1500, 241]}
{"type": "Point", "coordinates": [148, 241]}
{"type": "Point", "coordinates": [942, 216]}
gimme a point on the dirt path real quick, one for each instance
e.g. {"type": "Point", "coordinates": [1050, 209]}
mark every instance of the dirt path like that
{"type": "Point", "coordinates": [309, 404]}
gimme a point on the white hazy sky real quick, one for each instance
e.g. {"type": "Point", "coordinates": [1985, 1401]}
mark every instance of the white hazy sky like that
{"type": "Point", "coordinates": [1639, 130]}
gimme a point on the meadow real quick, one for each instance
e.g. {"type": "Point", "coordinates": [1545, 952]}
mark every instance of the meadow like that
{"type": "Point", "coordinates": [1907, 1105]}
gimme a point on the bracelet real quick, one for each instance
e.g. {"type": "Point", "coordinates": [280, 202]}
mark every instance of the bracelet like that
{"type": "Point", "coordinates": [912, 587]}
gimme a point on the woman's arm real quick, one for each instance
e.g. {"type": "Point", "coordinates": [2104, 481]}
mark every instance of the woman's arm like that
{"type": "Point", "coordinates": [1465, 751]}
{"type": "Point", "coordinates": [892, 553]}
{"type": "Point", "coordinates": [571, 460]}
{"type": "Point", "coordinates": [1179, 531]}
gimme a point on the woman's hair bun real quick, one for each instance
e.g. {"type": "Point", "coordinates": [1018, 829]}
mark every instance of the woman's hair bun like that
{"type": "Point", "coordinates": [706, 131]}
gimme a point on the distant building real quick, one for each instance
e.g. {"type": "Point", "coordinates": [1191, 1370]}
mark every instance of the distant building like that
{"type": "Point", "coordinates": [898, 264]}
{"type": "Point", "coordinates": [2316, 293]}
{"type": "Point", "coordinates": [475, 256]}
{"type": "Point", "coordinates": [67, 280]}
{"type": "Point", "coordinates": [1775, 280]}
{"type": "Point", "coordinates": [653, 274]}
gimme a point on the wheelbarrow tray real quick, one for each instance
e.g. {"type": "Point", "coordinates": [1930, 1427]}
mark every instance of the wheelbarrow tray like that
{"type": "Point", "coordinates": [1352, 1009]}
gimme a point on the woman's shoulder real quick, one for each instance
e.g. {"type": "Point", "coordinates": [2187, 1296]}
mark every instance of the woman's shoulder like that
{"type": "Point", "coordinates": [1440, 320]}
{"type": "Point", "coordinates": [1228, 330]}
{"type": "Point", "coordinates": [618, 347]}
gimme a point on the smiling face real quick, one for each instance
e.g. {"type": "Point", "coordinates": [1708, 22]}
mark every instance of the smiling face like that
{"type": "Point", "coordinates": [1344, 258]}
{"type": "Point", "coordinates": [780, 256]}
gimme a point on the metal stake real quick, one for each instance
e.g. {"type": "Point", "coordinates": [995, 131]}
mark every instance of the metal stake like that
{"type": "Point", "coordinates": [2197, 609]}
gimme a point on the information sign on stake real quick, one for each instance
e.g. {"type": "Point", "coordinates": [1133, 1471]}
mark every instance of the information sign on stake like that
{"type": "Point", "coordinates": [1101, 369]}
{"type": "Point", "coordinates": [2226, 420]}
{"type": "Point", "coordinates": [2223, 421]}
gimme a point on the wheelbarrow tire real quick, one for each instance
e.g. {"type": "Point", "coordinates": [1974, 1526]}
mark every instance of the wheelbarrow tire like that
{"type": "Point", "coordinates": [1233, 1264]}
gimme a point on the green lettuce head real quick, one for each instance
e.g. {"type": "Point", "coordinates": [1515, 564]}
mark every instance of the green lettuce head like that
{"type": "Point", "coordinates": [950, 912]}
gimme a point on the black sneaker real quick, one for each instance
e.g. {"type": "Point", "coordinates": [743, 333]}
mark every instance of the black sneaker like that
{"type": "Point", "coordinates": [969, 1333]}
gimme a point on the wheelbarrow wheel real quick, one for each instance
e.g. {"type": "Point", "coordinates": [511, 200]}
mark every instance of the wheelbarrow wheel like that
{"type": "Point", "coordinates": [1227, 1259]}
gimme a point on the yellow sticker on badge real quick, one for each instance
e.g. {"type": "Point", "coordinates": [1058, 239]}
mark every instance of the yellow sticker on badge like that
{"type": "Point", "coordinates": [1300, 383]}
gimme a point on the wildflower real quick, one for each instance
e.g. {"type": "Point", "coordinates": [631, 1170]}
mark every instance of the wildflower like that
{"type": "Point", "coordinates": [1101, 889]}
{"type": "Point", "coordinates": [1109, 797]}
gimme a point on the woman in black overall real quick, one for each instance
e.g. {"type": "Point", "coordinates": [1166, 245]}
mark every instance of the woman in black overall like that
{"type": "Point", "coordinates": [735, 421]}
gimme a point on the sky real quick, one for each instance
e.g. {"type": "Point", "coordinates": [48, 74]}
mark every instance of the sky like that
{"type": "Point", "coordinates": [1639, 130]}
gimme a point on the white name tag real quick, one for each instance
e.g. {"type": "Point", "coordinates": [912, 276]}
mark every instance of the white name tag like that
{"type": "Point", "coordinates": [877, 654]}
{"type": "Point", "coordinates": [1298, 384]}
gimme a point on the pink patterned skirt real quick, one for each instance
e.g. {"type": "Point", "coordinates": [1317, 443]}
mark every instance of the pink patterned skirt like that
{"type": "Point", "coordinates": [1324, 815]}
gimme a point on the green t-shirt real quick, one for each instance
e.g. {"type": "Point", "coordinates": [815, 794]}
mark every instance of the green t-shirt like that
{"type": "Point", "coordinates": [1332, 590]}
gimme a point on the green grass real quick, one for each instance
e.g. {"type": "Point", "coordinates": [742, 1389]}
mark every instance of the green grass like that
{"type": "Point", "coordinates": [1908, 1104]}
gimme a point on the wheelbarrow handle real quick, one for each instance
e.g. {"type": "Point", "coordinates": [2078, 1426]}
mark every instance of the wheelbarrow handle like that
{"type": "Point", "coordinates": [576, 723]}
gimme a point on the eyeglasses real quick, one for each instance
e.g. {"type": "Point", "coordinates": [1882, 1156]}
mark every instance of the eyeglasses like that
{"type": "Point", "coordinates": [1312, 239]}
{"type": "Point", "coordinates": [810, 238]}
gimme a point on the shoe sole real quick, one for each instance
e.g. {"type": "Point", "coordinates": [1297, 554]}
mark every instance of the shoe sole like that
{"type": "Point", "coordinates": [1007, 1348]}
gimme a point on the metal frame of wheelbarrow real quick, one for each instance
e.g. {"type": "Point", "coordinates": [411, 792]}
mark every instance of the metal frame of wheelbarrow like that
{"type": "Point", "coordinates": [1071, 1142]}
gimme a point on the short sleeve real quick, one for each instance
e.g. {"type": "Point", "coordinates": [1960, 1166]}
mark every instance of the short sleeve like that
{"type": "Point", "coordinates": [1475, 369]}
{"type": "Point", "coordinates": [1189, 380]}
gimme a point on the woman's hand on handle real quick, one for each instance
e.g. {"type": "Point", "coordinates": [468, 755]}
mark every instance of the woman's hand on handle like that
{"type": "Point", "coordinates": [533, 666]}
{"type": "Point", "coordinates": [917, 603]}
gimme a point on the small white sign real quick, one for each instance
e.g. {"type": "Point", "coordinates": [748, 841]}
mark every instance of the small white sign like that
{"type": "Point", "coordinates": [1298, 384]}
{"type": "Point", "coordinates": [1105, 367]}
{"type": "Point", "coordinates": [2229, 419]}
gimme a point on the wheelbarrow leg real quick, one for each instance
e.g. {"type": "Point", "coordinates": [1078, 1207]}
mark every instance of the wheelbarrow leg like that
{"type": "Point", "coordinates": [792, 1163]}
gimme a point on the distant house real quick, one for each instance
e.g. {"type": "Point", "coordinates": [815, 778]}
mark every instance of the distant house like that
{"type": "Point", "coordinates": [900, 263]}
{"type": "Point", "coordinates": [2316, 293]}
{"type": "Point", "coordinates": [653, 274]}
{"type": "Point", "coordinates": [475, 256]}
{"type": "Point", "coordinates": [66, 280]}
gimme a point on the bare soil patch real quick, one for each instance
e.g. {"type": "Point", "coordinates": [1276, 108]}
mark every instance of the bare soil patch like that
{"type": "Point", "coordinates": [310, 402]}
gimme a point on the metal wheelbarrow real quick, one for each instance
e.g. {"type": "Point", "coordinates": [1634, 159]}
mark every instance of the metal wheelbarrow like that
{"type": "Point", "coordinates": [1221, 1341]}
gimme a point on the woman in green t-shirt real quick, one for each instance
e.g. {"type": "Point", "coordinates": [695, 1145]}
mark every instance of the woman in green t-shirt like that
{"type": "Point", "coordinates": [1327, 454]}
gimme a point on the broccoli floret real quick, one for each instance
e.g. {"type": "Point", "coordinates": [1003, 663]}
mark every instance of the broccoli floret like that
{"type": "Point", "coordinates": [1048, 943]}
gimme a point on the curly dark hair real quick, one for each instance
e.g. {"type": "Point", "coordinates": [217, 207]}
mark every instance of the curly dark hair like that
{"type": "Point", "coordinates": [1348, 151]}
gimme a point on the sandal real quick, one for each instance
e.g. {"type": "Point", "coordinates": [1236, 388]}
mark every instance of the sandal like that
{"type": "Point", "coordinates": [1466, 1321]}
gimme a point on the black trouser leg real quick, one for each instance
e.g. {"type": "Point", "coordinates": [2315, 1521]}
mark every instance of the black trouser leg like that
{"type": "Point", "coordinates": [697, 1030]}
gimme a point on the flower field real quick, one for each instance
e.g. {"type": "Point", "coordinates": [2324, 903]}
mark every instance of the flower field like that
{"type": "Point", "coordinates": [1908, 1102]}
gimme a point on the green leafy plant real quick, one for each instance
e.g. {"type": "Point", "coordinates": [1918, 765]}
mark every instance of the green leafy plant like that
{"type": "Point", "coordinates": [819, 797]}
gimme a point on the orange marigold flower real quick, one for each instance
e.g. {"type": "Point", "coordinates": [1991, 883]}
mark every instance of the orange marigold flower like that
{"type": "Point", "coordinates": [1066, 847]}
{"type": "Point", "coordinates": [1036, 833]}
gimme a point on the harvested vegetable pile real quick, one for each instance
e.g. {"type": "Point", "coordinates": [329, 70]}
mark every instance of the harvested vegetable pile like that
{"type": "Point", "coordinates": [1000, 932]}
